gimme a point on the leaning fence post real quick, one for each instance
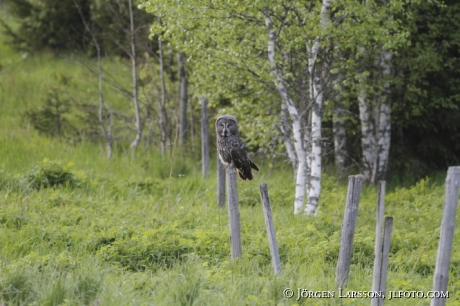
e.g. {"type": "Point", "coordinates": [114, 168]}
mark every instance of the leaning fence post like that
{"type": "Point", "coordinates": [348, 229]}
{"type": "Point", "coordinates": [270, 229]}
{"type": "Point", "coordinates": [378, 243]}
{"type": "Point", "coordinates": [441, 272]}
{"type": "Point", "coordinates": [385, 256]}
{"type": "Point", "coordinates": [233, 214]}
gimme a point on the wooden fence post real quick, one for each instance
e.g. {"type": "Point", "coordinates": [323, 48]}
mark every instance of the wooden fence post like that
{"type": "Point", "coordinates": [441, 272]}
{"type": "Point", "coordinates": [270, 229]}
{"type": "Point", "coordinates": [348, 229]}
{"type": "Point", "coordinates": [220, 183]}
{"type": "Point", "coordinates": [233, 214]}
{"type": "Point", "coordinates": [375, 301]}
{"type": "Point", "coordinates": [385, 256]}
{"type": "Point", "coordinates": [204, 137]}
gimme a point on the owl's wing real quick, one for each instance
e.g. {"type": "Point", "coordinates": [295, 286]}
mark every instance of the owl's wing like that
{"type": "Point", "coordinates": [239, 156]}
{"type": "Point", "coordinates": [241, 160]}
{"type": "Point", "coordinates": [244, 151]}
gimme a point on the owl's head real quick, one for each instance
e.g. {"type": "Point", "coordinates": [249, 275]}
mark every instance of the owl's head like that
{"type": "Point", "coordinates": [226, 125]}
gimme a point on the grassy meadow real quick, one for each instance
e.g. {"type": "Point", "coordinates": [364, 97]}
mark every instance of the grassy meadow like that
{"type": "Point", "coordinates": [78, 229]}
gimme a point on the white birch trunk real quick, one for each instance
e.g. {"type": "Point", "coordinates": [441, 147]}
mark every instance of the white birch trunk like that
{"type": "Point", "coordinates": [295, 117]}
{"type": "Point", "coordinates": [286, 132]}
{"type": "Point", "coordinates": [384, 130]}
{"type": "Point", "coordinates": [162, 114]}
{"type": "Point", "coordinates": [102, 103]}
{"type": "Point", "coordinates": [307, 143]}
{"type": "Point", "coordinates": [183, 89]}
{"type": "Point", "coordinates": [315, 156]}
{"type": "Point", "coordinates": [137, 112]}
{"type": "Point", "coordinates": [340, 138]}
{"type": "Point", "coordinates": [376, 124]}
{"type": "Point", "coordinates": [316, 96]}
{"type": "Point", "coordinates": [367, 131]}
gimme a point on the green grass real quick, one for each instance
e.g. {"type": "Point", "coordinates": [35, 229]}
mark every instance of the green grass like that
{"type": "Point", "coordinates": [136, 241]}
{"type": "Point", "coordinates": [78, 229]}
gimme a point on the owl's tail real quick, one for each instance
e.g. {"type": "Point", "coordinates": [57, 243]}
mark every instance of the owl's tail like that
{"type": "Point", "coordinates": [253, 166]}
{"type": "Point", "coordinates": [245, 174]}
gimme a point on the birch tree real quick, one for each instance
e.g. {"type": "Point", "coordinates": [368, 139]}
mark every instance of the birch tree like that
{"type": "Point", "coordinates": [317, 82]}
{"type": "Point", "coordinates": [271, 50]}
{"type": "Point", "coordinates": [292, 110]}
{"type": "Point", "coordinates": [373, 98]}
{"type": "Point", "coordinates": [137, 112]}
{"type": "Point", "coordinates": [183, 92]}
{"type": "Point", "coordinates": [340, 138]}
{"type": "Point", "coordinates": [104, 113]}
{"type": "Point", "coordinates": [162, 106]}
{"type": "Point", "coordinates": [375, 117]}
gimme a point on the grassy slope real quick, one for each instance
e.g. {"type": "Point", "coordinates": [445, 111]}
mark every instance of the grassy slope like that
{"type": "Point", "coordinates": [126, 234]}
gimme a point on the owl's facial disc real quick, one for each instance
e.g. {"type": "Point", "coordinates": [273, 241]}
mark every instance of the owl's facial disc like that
{"type": "Point", "coordinates": [225, 132]}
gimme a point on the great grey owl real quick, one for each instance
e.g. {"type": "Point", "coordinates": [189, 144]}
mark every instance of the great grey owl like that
{"type": "Point", "coordinates": [231, 148]}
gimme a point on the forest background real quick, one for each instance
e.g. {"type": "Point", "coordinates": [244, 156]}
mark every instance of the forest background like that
{"type": "Point", "coordinates": [106, 110]}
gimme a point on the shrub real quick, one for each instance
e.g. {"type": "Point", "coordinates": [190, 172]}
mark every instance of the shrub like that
{"type": "Point", "coordinates": [156, 248]}
{"type": "Point", "coordinates": [50, 174]}
{"type": "Point", "coordinates": [50, 118]}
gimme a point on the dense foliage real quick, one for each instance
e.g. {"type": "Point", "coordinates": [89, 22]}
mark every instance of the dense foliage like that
{"type": "Point", "coordinates": [69, 25]}
{"type": "Point", "coordinates": [421, 36]}
{"type": "Point", "coordinates": [426, 108]}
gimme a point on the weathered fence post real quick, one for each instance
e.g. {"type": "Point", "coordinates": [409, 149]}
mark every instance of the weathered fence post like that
{"type": "Point", "coordinates": [270, 229]}
{"type": "Point", "coordinates": [220, 183]}
{"type": "Point", "coordinates": [233, 214]}
{"type": "Point", "coordinates": [385, 256]}
{"type": "Point", "coordinates": [441, 272]}
{"type": "Point", "coordinates": [378, 244]}
{"type": "Point", "coordinates": [348, 229]}
{"type": "Point", "coordinates": [204, 137]}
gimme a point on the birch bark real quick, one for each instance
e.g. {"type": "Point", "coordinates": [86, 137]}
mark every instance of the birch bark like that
{"type": "Point", "coordinates": [384, 130]}
{"type": "Point", "coordinates": [294, 114]}
{"type": "Point", "coordinates": [367, 129]}
{"type": "Point", "coordinates": [375, 117]}
{"type": "Point", "coordinates": [106, 131]}
{"type": "Point", "coordinates": [340, 138]}
{"type": "Point", "coordinates": [162, 116]}
{"type": "Point", "coordinates": [286, 132]}
{"type": "Point", "coordinates": [137, 111]}
{"type": "Point", "coordinates": [316, 96]}
{"type": "Point", "coordinates": [183, 89]}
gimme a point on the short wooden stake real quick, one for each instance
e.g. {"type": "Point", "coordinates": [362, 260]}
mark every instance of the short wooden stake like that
{"type": "Point", "coordinates": [441, 272]}
{"type": "Point", "coordinates": [376, 301]}
{"type": "Point", "coordinates": [233, 214]}
{"type": "Point", "coordinates": [270, 229]}
{"type": "Point", "coordinates": [385, 256]}
{"type": "Point", "coordinates": [348, 230]}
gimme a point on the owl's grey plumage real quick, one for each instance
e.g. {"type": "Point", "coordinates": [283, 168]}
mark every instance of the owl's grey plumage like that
{"type": "Point", "coordinates": [231, 148]}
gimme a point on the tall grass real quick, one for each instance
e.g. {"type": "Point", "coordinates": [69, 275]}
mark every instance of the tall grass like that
{"type": "Point", "coordinates": [129, 231]}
